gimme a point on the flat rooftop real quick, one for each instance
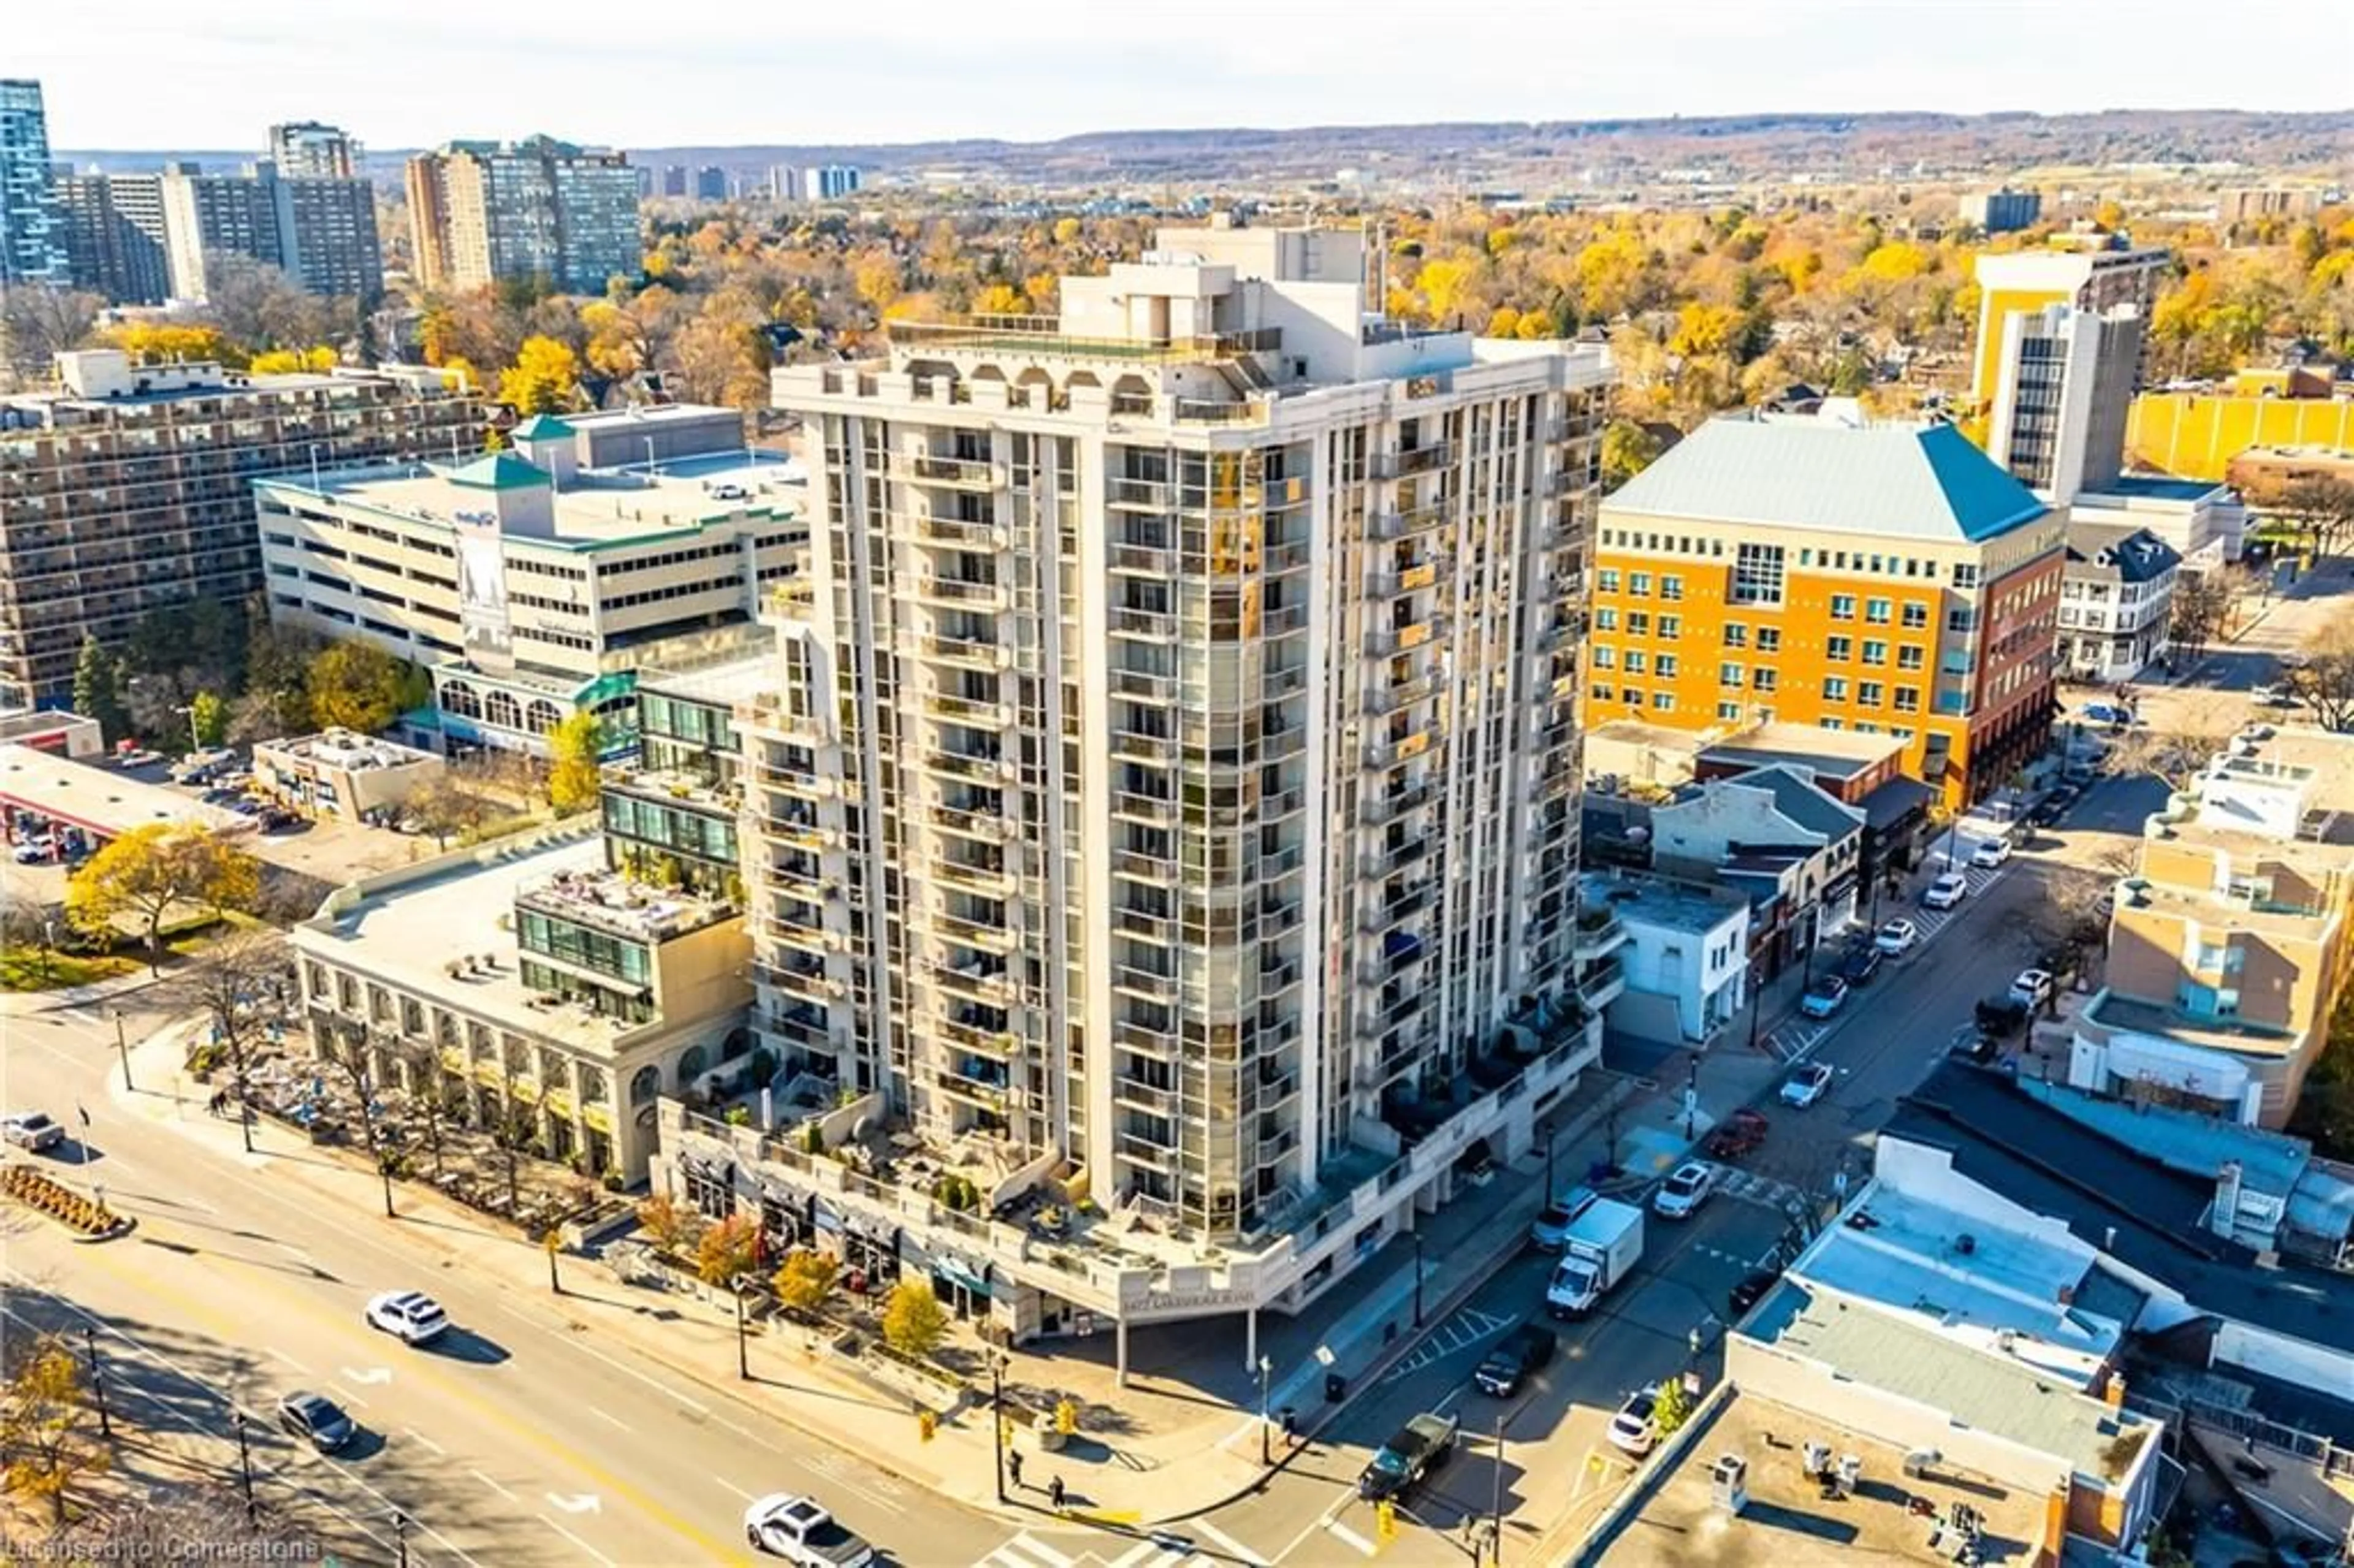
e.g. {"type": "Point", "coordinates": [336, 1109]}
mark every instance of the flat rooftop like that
{"type": "Point", "coordinates": [730, 683]}
{"type": "Point", "coordinates": [1838, 753]}
{"type": "Point", "coordinates": [409, 933]}
{"type": "Point", "coordinates": [344, 749]}
{"type": "Point", "coordinates": [599, 508]}
{"type": "Point", "coordinates": [2002, 1298]}
{"type": "Point", "coordinates": [97, 799]}
{"type": "Point", "coordinates": [1674, 906]}
{"type": "Point", "coordinates": [608, 901]}
{"type": "Point", "coordinates": [1677, 1522]}
{"type": "Point", "coordinates": [1898, 1353]}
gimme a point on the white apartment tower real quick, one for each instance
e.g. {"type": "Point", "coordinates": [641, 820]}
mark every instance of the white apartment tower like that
{"type": "Point", "coordinates": [1174, 790]}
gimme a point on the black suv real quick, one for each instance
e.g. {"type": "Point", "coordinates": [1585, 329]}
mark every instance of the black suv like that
{"type": "Point", "coordinates": [1517, 1356]}
{"type": "Point", "coordinates": [1863, 962]}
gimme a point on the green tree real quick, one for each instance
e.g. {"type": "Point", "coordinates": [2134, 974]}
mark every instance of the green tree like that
{"type": "Point", "coordinates": [46, 1444]}
{"type": "Point", "coordinates": [544, 379]}
{"type": "Point", "coordinates": [1673, 1407]}
{"type": "Point", "coordinates": [98, 690]}
{"type": "Point", "coordinates": [804, 1281]}
{"type": "Point", "coordinates": [209, 717]}
{"type": "Point", "coordinates": [914, 1322]}
{"type": "Point", "coordinates": [1628, 449]}
{"type": "Point", "coordinates": [572, 777]}
{"type": "Point", "coordinates": [356, 686]}
{"type": "Point", "coordinates": [151, 870]}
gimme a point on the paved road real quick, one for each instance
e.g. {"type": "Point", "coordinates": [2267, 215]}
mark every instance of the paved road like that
{"type": "Point", "coordinates": [514, 1442]}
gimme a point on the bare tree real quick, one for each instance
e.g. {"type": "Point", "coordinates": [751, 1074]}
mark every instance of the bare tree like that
{"type": "Point", "coordinates": [2175, 752]}
{"type": "Point", "coordinates": [348, 1051]}
{"type": "Point", "coordinates": [446, 809]}
{"type": "Point", "coordinates": [37, 324]}
{"type": "Point", "coordinates": [2070, 923]}
{"type": "Point", "coordinates": [2202, 607]}
{"type": "Point", "coordinates": [2321, 506]}
{"type": "Point", "coordinates": [2324, 678]}
{"type": "Point", "coordinates": [235, 982]}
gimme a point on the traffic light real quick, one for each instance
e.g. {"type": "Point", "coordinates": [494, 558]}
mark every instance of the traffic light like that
{"type": "Point", "coordinates": [927, 1422]}
{"type": "Point", "coordinates": [1385, 1519]}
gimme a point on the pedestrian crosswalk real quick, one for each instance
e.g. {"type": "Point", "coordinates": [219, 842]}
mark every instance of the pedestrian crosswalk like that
{"type": "Point", "coordinates": [1767, 1191]}
{"type": "Point", "coordinates": [1027, 1550]}
{"type": "Point", "coordinates": [1461, 1331]}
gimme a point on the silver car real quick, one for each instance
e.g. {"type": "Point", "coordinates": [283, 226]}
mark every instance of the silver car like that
{"type": "Point", "coordinates": [32, 1130]}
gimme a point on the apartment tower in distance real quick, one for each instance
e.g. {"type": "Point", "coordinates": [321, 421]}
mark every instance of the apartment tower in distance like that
{"type": "Point", "coordinates": [1169, 816]}
{"type": "Point", "coordinates": [2096, 274]}
{"type": "Point", "coordinates": [305, 149]}
{"type": "Point", "coordinates": [130, 489]}
{"type": "Point", "coordinates": [481, 211]}
{"type": "Point", "coordinates": [32, 239]}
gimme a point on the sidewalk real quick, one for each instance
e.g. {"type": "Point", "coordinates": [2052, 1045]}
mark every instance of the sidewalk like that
{"type": "Point", "coordinates": [1180, 1440]}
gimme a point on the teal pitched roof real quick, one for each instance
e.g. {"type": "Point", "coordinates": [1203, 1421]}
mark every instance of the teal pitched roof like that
{"type": "Point", "coordinates": [499, 471]}
{"type": "Point", "coordinates": [1925, 481]}
{"type": "Point", "coordinates": [542, 428]}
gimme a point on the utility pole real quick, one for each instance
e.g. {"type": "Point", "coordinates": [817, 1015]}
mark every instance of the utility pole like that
{"type": "Point", "coordinates": [1265, 1366]}
{"type": "Point", "coordinates": [997, 1420]}
{"type": "Point", "coordinates": [122, 1048]}
{"type": "Point", "coordinates": [400, 1536]}
{"type": "Point", "coordinates": [244, 1464]}
{"type": "Point", "coordinates": [743, 1349]}
{"type": "Point", "coordinates": [1496, 1504]}
{"type": "Point", "coordinates": [1418, 1277]}
{"type": "Point", "coordinates": [97, 1379]}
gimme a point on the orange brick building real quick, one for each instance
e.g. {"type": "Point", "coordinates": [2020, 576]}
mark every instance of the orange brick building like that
{"type": "Point", "coordinates": [1890, 579]}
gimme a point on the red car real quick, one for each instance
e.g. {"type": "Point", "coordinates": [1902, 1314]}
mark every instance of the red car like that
{"type": "Point", "coordinates": [1736, 1134]}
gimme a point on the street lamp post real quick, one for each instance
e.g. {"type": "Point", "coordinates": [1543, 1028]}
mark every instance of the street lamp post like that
{"type": "Point", "coordinates": [188, 712]}
{"type": "Point", "coordinates": [122, 1048]}
{"type": "Point", "coordinates": [400, 1536]}
{"type": "Point", "coordinates": [1496, 1502]}
{"type": "Point", "coordinates": [743, 1346]}
{"type": "Point", "coordinates": [554, 1244]}
{"type": "Point", "coordinates": [997, 1420]}
{"type": "Point", "coordinates": [244, 1463]}
{"type": "Point", "coordinates": [1418, 1278]}
{"type": "Point", "coordinates": [1691, 1098]}
{"type": "Point", "coordinates": [1266, 1450]}
{"type": "Point", "coordinates": [97, 1379]}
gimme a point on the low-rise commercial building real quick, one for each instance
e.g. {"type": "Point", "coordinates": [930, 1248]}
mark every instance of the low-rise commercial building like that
{"type": "Point", "coordinates": [539, 985]}
{"type": "Point", "coordinates": [2116, 602]}
{"type": "Point", "coordinates": [1685, 954]}
{"type": "Point", "coordinates": [2230, 942]}
{"type": "Point", "coordinates": [1795, 852]}
{"type": "Point", "coordinates": [336, 773]}
{"type": "Point", "coordinates": [53, 730]}
{"type": "Point", "coordinates": [132, 489]}
{"type": "Point", "coordinates": [534, 584]}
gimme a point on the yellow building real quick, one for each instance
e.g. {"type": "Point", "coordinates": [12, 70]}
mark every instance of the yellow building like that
{"type": "Point", "coordinates": [1890, 579]}
{"type": "Point", "coordinates": [2068, 272]}
{"type": "Point", "coordinates": [2195, 435]}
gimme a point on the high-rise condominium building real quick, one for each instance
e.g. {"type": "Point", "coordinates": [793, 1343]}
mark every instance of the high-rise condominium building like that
{"type": "Point", "coordinates": [305, 149]}
{"type": "Point", "coordinates": [114, 235]}
{"type": "Point", "coordinates": [829, 182]}
{"type": "Point", "coordinates": [132, 489]}
{"type": "Point", "coordinates": [318, 230]}
{"type": "Point", "coordinates": [2003, 211]}
{"type": "Point", "coordinates": [32, 244]}
{"type": "Point", "coordinates": [2063, 387]}
{"type": "Point", "coordinates": [1172, 795]}
{"type": "Point", "coordinates": [487, 210]}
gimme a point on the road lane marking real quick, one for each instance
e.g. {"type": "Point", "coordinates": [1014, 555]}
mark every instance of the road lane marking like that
{"type": "Point", "coordinates": [576, 1541]}
{"type": "Point", "coordinates": [1025, 1550]}
{"type": "Point", "coordinates": [739, 1491]}
{"type": "Point", "coordinates": [348, 1396]}
{"type": "Point", "coordinates": [422, 1440]}
{"type": "Point", "coordinates": [614, 1419]}
{"type": "Point", "coordinates": [492, 1485]}
{"type": "Point", "coordinates": [1232, 1546]}
{"type": "Point", "coordinates": [1350, 1537]}
{"type": "Point", "coordinates": [288, 1361]}
{"type": "Point", "coordinates": [148, 1355]}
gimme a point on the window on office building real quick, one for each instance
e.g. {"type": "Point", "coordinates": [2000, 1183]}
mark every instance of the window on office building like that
{"type": "Point", "coordinates": [1757, 575]}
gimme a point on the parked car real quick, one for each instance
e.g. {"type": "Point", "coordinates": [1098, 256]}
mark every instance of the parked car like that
{"type": "Point", "coordinates": [1518, 1356]}
{"type": "Point", "coordinates": [2108, 713]}
{"type": "Point", "coordinates": [2031, 988]}
{"type": "Point", "coordinates": [1633, 1429]}
{"type": "Point", "coordinates": [2002, 1016]}
{"type": "Point", "coordinates": [1552, 1221]}
{"type": "Point", "coordinates": [34, 852]}
{"type": "Point", "coordinates": [1749, 1292]}
{"type": "Point", "coordinates": [410, 1316]}
{"type": "Point", "coordinates": [1896, 938]}
{"type": "Point", "coordinates": [32, 1130]}
{"type": "Point", "coordinates": [1807, 1085]}
{"type": "Point", "coordinates": [1991, 853]}
{"type": "Point", "coordinates": [1945, 892]}
{"type": "Point", "coordinates": [1824, 997]}
{"type": "Point", "coordinates": [1863, 962]}
{"type": "Point", "coordinates": [1685, 1189]}
{"type": "Point", "coordinates": [316, 1420]}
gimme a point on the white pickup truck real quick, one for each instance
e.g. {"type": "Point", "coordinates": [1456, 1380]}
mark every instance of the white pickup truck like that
{"type": "Point", "coordinates": [796, 1530]}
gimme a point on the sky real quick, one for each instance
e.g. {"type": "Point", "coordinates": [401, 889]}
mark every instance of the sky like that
{"type": "Point", "coordinates": [212, 74]}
